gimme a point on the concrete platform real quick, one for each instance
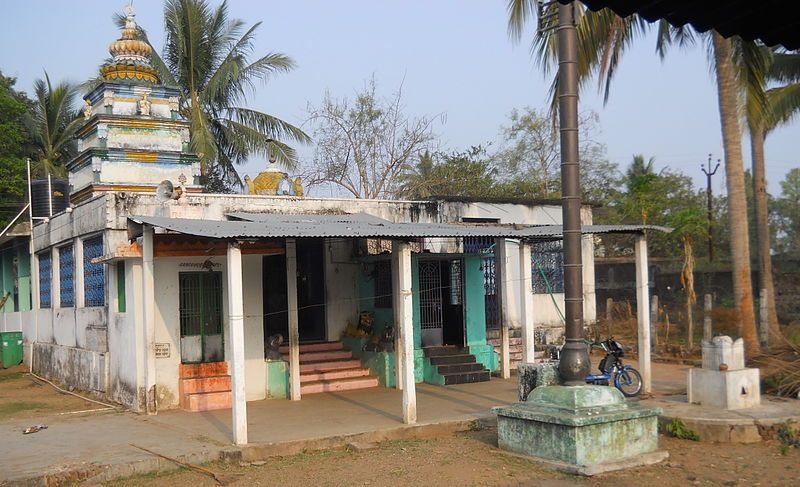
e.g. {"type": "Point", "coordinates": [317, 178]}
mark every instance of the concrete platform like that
{"type": "Point", "coordinates": [720, 426]}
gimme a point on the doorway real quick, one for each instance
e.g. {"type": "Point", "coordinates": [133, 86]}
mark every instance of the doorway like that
{"type": "Point", "coordinates": [310, 292]}
{"type": "Point", "coordinates": [441, 297]}
{"type": "Point", "coordinates": [200, 311]}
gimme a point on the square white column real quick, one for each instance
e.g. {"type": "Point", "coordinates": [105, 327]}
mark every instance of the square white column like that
{"type": "Point", "coordinates": [149, 319]}
{"type": "Point", "coordinates": [643, 312]}
{"type": "Point", "coordinates": [502, 280]}
{"type": "Point", "coordinates": [401, 252]}
{"type": "Point", "coordinates": [398, 323]}
{"type": "Point", "coordinates": [526, 301]}
{"type": "Point", "coordinates": [236, 326]}
{"type": "Point", "coordinates": [294, 320]}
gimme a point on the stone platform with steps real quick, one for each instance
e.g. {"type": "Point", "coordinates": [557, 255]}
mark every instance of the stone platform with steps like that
{"type": "Point", "coordinates": [205, 387]}
{"type": "Point", "coordinates": [328, 367]}
{"type": "Point", "coordinates": [515, 347]}
{"type": "Point", "coordinates": [455, 365]}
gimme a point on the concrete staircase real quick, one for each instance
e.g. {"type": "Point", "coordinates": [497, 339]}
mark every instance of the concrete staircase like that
{"type": "Point", "coordinates": [205, 387]}
{"type": "Point", "coordinates": [328, 367]}
{"type": "Point", "coordinates": [514, 345]}
{"type": "Point", "coordinates": [456, 365]}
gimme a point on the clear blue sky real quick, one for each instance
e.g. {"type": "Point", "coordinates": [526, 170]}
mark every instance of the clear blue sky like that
{"type": "Point", "coordinates": [454, 56]}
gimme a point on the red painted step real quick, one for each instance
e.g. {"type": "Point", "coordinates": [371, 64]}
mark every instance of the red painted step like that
{"type": "Point", "coordinates": [328, 366]}
{"type": "Point", "coordinates": [324, 356]}
{"type": "Point", "coordinates": [207, 401]}
{"type": "Point", "coordinates": [196, 385]}
{"type": "Point", "coordinates": [338, 385]}
{"type": "Point", "coordinates": [314, 347]}
{"type": "Point", "coordinates": [209, 369]}
{"type": "Point", "coordinates": [334, 374]}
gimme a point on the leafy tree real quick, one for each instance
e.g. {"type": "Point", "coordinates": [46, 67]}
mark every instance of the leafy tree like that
{"type": "Point", "coordinates": [780, 104]}
{"type": "Point", "coordinates": [365, 144]}
{"type": "Point", "coordinates": [687, 224]}
{"type": "Point", "coordinates": [529, 163]}
{"type": "Point", "coordinates": [788, 213]}
{"type": "Point", "coordinates": [468, 174]}
{"type": "Point", "coordinates": [602, 38]}
{"type": "Point", "coordinates": [52, 123]}
{"type": "Point", "coordinates": [14, 147]}
{"type": "Point", "coordinates": [207, 56]}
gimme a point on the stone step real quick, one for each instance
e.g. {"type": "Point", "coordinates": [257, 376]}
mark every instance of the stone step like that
{"type": "Point", "coordinates": [329, 365]}
{"type": "Point", "coordinates": [323, 356]}
{"type": "Point", "coordinates": [206, 401]}
{"type": "Point", "coordinates": [208, 369]}
{"type": "Point", "coordinates": [338, 385]}
{"type": "Point", "coordinates": [457, 368]}
{"type": "Point", "coordinates": [466, 377]}
{"type": "Point", "coordinates": [314, 347]}
{"type": "Point", "coordinates": [334, 375]}
{"type": "Point", "coordinates": [512, 342]}
{"type": "Point", "coordinates": [445, 350]}
{"type": "Point", "coordinates": [453, 359]}
{"type": "Point", "coordinates": [196, 385]}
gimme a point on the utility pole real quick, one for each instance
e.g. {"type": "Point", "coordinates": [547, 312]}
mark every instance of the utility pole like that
{"type": "Point", "coordinates": [709, 195]}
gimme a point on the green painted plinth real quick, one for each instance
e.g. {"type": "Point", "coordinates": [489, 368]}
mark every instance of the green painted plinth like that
{"type": "Point", "coordinates": [580, 429]}
{"type": "Point", "coordinates": [277, 379]}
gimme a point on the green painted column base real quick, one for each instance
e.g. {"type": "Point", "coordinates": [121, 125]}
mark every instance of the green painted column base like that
{"type": "Point", "coordinates": [581, 429]}
{"type": "Point", "coordinates": [485, 354]}
{"type": "Point", "coordinates": [277, 379]}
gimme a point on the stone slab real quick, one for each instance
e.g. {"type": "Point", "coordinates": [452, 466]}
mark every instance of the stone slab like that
{"type": "Point", "coordinates": [644, 459]}
{"type": "Point", "coordinates": [730, 389]}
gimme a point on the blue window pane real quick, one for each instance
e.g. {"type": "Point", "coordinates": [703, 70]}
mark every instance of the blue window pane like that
{"type": "Point", "coordinates": [548, 267]}
{"type": "Point", "coordinates": [94, 279]}
{"type": "Point", "coordinates": [45, 272]}
{"type": "Point", "coordinates": [66, 275]}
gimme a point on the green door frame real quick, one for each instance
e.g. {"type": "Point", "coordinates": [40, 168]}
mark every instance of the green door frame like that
{"type": "Point", "coordinates": [204, 288]}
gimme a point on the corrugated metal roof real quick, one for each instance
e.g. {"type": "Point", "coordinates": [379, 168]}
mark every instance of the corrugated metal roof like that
{"type": "Point", "coordinates": [306, 226]}
{"type": "Point", "coordinates": [307, 218]}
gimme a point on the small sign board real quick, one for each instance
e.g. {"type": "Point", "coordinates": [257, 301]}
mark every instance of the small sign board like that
{"type": "Point", "coordinates": [162, 350]}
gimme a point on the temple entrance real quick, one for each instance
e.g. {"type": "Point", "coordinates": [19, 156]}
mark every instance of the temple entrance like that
{"type": "Point", "coordinates": [441, 297]}
{"type": "Point", "coordinates": [310, 292]}
{"type": "Point", "coordinates": [201, 317]}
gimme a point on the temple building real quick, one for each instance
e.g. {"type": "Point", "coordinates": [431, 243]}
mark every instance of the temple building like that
{"type": "Point", "coordinates": [150, 293]}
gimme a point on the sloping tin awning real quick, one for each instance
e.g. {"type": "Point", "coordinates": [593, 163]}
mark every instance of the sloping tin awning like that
{"type": "Point", "coordinates": [772, 21]}
{"type": "Point", "coordinates": [356, 226]}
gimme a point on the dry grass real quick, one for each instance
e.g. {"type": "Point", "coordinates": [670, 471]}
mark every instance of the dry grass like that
{"type": "Point", "coordinates": [780, 369]}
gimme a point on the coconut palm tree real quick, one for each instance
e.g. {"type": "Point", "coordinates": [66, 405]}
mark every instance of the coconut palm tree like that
{"type": "Point", "coordinates": [52, 124]}
{"type": "Point", "coordinates": [602, 39]}
{"type": "Point", "coordinates": [782, 104]}
{"type": "Point", "coordinates": [207, 56]}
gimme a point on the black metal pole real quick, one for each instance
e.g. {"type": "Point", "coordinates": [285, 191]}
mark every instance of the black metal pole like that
{"type": "Point", "coordinates": [574, 364]}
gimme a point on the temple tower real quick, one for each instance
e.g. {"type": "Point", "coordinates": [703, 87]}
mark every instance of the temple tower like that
{"type": "Point", "coordinates": [133, 136]}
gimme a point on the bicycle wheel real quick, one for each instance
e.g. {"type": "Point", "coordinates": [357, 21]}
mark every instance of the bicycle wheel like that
{"type": "Point", "coordinates": [629, 382]}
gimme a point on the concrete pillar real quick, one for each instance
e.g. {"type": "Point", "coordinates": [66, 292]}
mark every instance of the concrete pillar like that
{"type": "Point", "coordinates": [503, 283]}
{"type": "Point", "coordinates": [707, 324]}
{"type": "Point", "coordinates": [643, 312]}
{"type": "Point", "coordinates": [526, 301]}
{"type": "Point", "coordinates": [653, 321]}
{"type": "Point", "coordinates": [148, 319]}
{"type": "Point", "coordinates": [294, 333]}
{"type": "Point", "coordinates": [398, 322]}
{"type": "Point", "coordinates": [80, 292]}
{"type": "Point", "coordinates": [236, 337]}
{"type": "Point", "coordinates": [402, 254]}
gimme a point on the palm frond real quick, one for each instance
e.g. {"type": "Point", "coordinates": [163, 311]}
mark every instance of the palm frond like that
{"type": "Point", "coordinates": [784, 104]}
{"type": "Point", "coordinates": [269, 125]}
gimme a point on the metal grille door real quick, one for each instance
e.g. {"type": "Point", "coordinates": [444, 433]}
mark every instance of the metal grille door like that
{"type": "Point", "coordinates": [430, 300]}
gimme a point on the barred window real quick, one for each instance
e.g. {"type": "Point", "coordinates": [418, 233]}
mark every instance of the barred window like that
{"type": "Point", "coordinates": [547, 267]}
{"type": "Point", "coordinates": [66, 275]}
{"type": "Point", "coordinates": [383, 284]}
{"type": "Point", "coordinates": [94, 279]}
{"type": "Point", "coordinates": [45, 278]}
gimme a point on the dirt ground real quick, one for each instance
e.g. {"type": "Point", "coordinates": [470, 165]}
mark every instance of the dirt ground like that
{"type": "Point", "coordinates": [23, 396]}
{"type": "Point", "coordinates": [472, 459]}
